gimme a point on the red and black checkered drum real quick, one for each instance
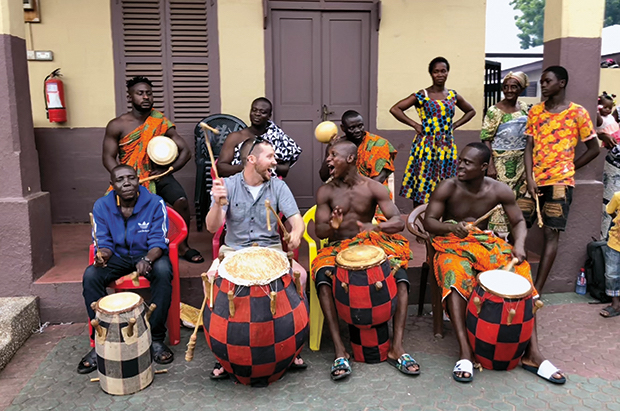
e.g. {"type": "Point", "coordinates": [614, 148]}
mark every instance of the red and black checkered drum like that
{"type": "Point", "coordinates": [500, 319]}
{"type": "Point", "coordinates": [365, 297]}
{"type": "Point", "coordinates": [258, 320]}
{"type": "Point", "coordinates": [123, 343]}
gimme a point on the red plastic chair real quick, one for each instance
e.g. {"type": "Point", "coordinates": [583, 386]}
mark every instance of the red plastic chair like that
{"type": "Point", "coordinates": [177, 232]}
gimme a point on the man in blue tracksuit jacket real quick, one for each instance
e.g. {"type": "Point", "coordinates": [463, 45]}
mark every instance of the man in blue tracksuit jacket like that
{"type": "Point", "coordinates": [131, 226]}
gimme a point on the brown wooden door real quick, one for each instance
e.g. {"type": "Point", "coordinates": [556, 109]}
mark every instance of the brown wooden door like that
{"type": "Point", "coordinates": [319, 59]}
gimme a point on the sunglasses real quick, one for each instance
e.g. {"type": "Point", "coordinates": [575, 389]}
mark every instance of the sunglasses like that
{"type": "Point", "coordinates": [257, 140]}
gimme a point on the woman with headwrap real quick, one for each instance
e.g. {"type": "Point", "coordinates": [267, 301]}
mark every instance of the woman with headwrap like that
{"type": "Point", "coordinates": [503, 132]}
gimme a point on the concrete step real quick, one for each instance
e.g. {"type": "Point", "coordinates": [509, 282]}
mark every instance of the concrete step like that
{"type": "Point", "coordinates": [19, 317]}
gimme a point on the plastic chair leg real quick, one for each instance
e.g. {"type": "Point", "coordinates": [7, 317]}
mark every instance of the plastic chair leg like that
{"type": "Point", "coordinates": [316, 318]}
{"type": "Point", "coordinates": [422, 294]}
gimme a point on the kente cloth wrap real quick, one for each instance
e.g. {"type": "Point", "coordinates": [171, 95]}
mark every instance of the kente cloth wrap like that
{"type": "Point", "coordinates": [396, 248]}
{"type": "Point", "coordinates": [285, 148]}
{"type": "Point", "coordinates": [459, 260]}
{"type": "Point", "coordinates": [132, 147]}
{"type": "Point", "coordinates": [433, 153]}
{"type": "Point", "coordinates": [506, 132]}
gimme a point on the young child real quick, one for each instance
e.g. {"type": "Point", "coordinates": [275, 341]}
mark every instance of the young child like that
{"type": "Point", "coordinates": [606, 124]}
{"type": "Point", "coordinates": [612, 260]}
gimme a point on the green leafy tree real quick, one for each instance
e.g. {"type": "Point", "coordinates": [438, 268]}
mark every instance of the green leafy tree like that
{"type": "Point", "coordinates": [532, 21]}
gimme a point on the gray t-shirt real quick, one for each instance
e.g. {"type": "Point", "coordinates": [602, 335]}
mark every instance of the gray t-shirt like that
{"type": "Point", "coordinates": [246, 217]}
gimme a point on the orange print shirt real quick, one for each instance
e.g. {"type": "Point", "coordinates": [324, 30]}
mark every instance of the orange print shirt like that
{"type": "Point", "coordinates": [555, 137]}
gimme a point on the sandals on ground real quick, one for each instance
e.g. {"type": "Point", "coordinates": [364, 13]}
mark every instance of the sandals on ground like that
{"type": "Point", "coordinates": [340, 364]}
{"type": "Point", "coordinates": [88, 363]}
{"type": "Point", "coordinates": [161, 353]}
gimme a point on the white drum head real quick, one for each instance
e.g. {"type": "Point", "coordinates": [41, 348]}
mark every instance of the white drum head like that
{"type": "Point", "coordinates": [254, 266]}
{"type": "Point", "coordinates": [505, 283]}
{"type": "Point", "coordinates": [119, 302]}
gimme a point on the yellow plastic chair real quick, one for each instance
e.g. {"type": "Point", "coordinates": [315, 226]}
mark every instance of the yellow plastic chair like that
{"type": "Point", "coordinates": [316, 314]}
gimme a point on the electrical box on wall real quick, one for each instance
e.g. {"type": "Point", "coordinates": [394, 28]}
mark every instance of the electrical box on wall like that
{"type": "Point", "coordinates": [40, 55]}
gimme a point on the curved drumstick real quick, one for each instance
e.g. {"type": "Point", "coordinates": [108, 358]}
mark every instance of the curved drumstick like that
{"type": "Point", "coordinates": [156, 177]}
{"type": "Point", "coordinates": [485, 216]}
{"type": "Point", "coordinates": [223, 201]}
{"type": "Point", "coordinates": [285, 233]}
{"type": "Point", "coordinates": [189, 354]}
{"type": "Point", "coordinates": [511, 264]}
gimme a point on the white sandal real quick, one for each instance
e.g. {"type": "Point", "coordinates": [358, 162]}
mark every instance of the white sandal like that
{"type": "Point", "coordinates": [463, 365]}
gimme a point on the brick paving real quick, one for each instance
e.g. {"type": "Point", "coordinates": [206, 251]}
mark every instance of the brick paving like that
{"type": "Point", "coordinates": [571, 333]}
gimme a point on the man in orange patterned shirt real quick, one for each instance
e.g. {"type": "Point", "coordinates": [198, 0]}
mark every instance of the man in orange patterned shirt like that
{"type": "Point", "coordinates": [554, 128]}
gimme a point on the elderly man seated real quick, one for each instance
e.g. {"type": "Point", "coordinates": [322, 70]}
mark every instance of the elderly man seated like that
{"type": "Point", "coordinates": [130, 225]}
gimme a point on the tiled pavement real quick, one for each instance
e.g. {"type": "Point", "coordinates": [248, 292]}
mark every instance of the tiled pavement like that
{"type": "Point", "coordinates": [571, 332]}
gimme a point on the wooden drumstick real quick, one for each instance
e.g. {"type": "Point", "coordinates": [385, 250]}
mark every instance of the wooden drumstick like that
{"type": "Point", "coordinates": [152, 308]}
{"type": "Point", "coordinates": [511, 264]}
{"type": "Point", "coordinates": [285, 234]}
{"type": "Point", "coordinates": [130, 325]}
{"type": "Point", "coordinates": [156, 177]}
{"type": "Point", "coordinates": [191, 345]}
{"type": "Point", "coordinates": [208, 127]}
{"type": "Point", "coordinates": [268, 211]}
{"type": "Point", "coordinates": [98, 255]}
{"type": "Point", "coordinates": [540, 221]}
{"type": "Point", "coordinates": [134, 277]}
{"type": "Point", "coordinates": [223, 201]}
{"type": "Point", "coordinates": [487, 215]}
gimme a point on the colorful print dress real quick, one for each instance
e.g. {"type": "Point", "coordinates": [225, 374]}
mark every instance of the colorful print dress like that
{"type": "Point", "coordinates": [506, 132]}
{"type": "Point", "coordinates": [433, 154]}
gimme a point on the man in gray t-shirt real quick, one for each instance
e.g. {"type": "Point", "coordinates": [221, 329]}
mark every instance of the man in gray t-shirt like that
{"type": "Point", "coordinates": [245, 214]}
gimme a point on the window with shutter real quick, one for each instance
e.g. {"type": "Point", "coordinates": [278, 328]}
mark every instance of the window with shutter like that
{"type": "Point", "coordinates": [166, 41]}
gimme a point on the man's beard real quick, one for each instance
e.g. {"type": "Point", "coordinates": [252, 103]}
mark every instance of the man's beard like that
{"type": "Point", "coordinates": [141, 109]}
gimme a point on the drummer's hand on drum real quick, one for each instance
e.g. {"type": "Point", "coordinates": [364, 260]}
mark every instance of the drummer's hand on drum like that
{"type": "Point", "coordinates": [218, 190]}
{"type": "Point", "coordinates": [518, 252]}
{"type": "Point", "coordinates": [105, 254]}
{"type": "Point", "coordinates": [294, 240]}
{"type": "Point", "coordinates": [367, 227]}
{"type": "Point", "coordinates": [461, 230]}
{"type": "Point", "coordinates": [336, 218]}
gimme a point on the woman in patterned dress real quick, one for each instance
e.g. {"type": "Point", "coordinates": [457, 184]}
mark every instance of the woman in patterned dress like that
{"type": "Point", "coordinates": [433, 152]}
{"type": "Point", "coordinates": [503, 132]}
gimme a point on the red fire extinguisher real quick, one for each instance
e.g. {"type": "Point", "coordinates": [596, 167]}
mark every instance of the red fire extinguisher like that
{"type": "Point", "coordinates": [55, 97]}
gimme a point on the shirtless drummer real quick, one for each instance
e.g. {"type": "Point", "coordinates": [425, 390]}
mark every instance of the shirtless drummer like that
{"type": "Point", "coordinates": [345, 208]}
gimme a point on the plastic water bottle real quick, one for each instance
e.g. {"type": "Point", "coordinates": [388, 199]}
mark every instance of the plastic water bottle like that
{"type": "Point", "coordinates": [581, 283]}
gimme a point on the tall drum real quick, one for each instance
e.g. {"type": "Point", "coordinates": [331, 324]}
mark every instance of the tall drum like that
{"type": "Point", "coordinates": [500, 319]}
{"type": "Point", "coordinates": [123, 343]}
{"type": "Point", "coordinates": [258, 321]}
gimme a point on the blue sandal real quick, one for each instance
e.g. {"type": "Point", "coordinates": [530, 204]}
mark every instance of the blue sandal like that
{"type": "Point", "coordinates": [340, 364]}
{"type": "Point", "coordinates": [403, 363]}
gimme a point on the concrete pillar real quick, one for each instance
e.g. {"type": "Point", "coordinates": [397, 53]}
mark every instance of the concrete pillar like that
{"type": "Point", "coordinates": [25, 216]}
{"type": "Point", "coordinates": [573, 40]}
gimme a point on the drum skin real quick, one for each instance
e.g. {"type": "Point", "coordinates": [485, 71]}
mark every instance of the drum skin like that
{"type": "Point", "coordinates": [255, 346]}
{"type": "Point", "coordinates": [497, 345]}
{"type": "Point", "coordinates": [359, 302]}
{"type": "Point", "coordinates": [124, 363]}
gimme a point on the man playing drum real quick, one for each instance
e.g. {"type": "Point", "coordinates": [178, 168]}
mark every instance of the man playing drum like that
{"type": "Point", "coordinates": [127, 138]}
{"type": "Point", "coordinates": [462, 250]}
{"type": "Point", "coordinates": [246, 215]}
{"type": "Point", "coordinates": [345, 209]}
{"type": "Point", "coordinates": [130, 225]}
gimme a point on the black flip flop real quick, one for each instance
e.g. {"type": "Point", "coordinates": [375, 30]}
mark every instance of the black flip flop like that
{"type": "Point", "coordinates": [159, 349]}
{"type": "Point", "coordinates": [190, 254]}
{"type": "Point", "coordinates": [221, 376]}
{"type": "Point", "coordinates": [301, 366]}
{"type": "Point", "coordinates": [91, 359]}
{"type": "Point", "coordinates": [611, 312]}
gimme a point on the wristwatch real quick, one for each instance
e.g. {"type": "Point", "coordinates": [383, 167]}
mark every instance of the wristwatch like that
{"type": "Point", "coordinates": [148, 260]}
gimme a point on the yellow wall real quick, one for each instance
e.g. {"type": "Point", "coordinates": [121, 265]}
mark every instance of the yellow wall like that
{"type": "Point", "coordinates": [573, 18]}
{"type": "Point", "coordinates": [412, 33]}
{"type": "Point", "coordinates": [242, 55]}
{"type": "Point", "coordinates": [610, 81]}
{"type": "Point", "coordinates": [80, 35]}
{"type": "Point", "coordinates": [11, 18]}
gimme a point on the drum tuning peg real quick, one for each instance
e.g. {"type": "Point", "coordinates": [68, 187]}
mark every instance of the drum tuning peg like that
{"type": "Point", "coordinates": [478, 304]}
{"type": "Point", "coordinates": [211, 286]}
{"type": "Point", "coordinates": [272, 297]}
{"type": "Point", "coordinates": [297, 277]}
{"type": "Point", "coordinates": [469, 283]}
{"type": "Point", "coordinates": [93, 305]}
{"type": "Point", "coordinates": [254, 244]}
{"type": "Point", "coordinates": [152, 308]}
{"type": "Point", "coordinates": [511, 315]}
{"type": "Point", "coordinates": [231, 303]}
{"type": "Point", "coordinates": [328, 273]}
{"type": "Point", "coordinates": [537, 306]}
{"type": "Point", "coordinates": [220, 257]}
{"type": "Point", "coordinates": [132, 323]}
{"type": "Point", "coordinates": [97, 327]}
{"type": "Point", "coordinates": [345, 287]}
{"type": "Point", "coordinates": [378, 285]}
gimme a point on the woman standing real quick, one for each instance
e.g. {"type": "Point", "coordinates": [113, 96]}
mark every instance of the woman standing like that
{"type": "Point", "coordinates": [503, 132]}
{"type": "Point", "coordinates": [433, 152]}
